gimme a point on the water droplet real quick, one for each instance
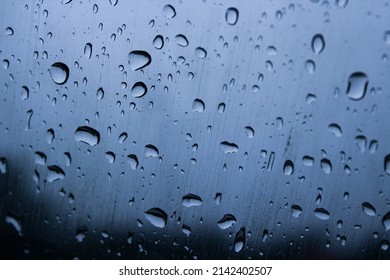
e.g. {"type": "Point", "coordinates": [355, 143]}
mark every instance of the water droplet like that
{"type": "Point", "coordinates": [217, 198]}
{"type": "Point", "coordinates": [249, 131]}
{"type": "Point", "coordinates": [198, 106]}
{"type": "Point", "coordinates": [88, 50]}
{"type": "Point", "coordinates": [5, 64]}
{"type": "Point", "coordinates": [3, 165]}
{"type": "Point", "coordinates": [151, 151]}
{"type": "Point", "coordinates": [239, 241]}
{"type": "Point", "coordinates": [186, 230]}
{"type": "Point", "coordinates": [318, 44]}
{"type": "Point", "coordinates": [139, 59]}
{"type": "Point", "coordinates": [200, 52]}
{"type": "Point", "coordinates": [49, 136]}
{"type": "Point", "coordinates": [181, 40]}
{"type": "Point", "coordinates": [357, 86]}
{"type": "Point", "coordinates": [227, 221]}
{"type": "Point", "coordinates": [169, 11]}
{"type": "Point", "coordinates": [326, 165]}
{"type": "Point", "coordinates": [59, 73]}
{"type": "Point", "coordinates": [296, 210]}
{"type": "Point", "coordinates": [158, 42]}
{"type": "Point", "coordinates": [191, 200]}
{"type": "Point", "coordinates": [100, 94]}
{"type": "Point", "coordinates": [373, 146]}
{"type": "Point", "coordinates": [228, 148]}
{"type": "Point", "coordinates": [25, 92]}
{"type": "Point", "coordinates": [322, 214]}
{"type": "Point", "coordinates": [384, 245]}
{"type": "Point", "coordinates": [15, 222]}
{"type": "Point", "coordinates": [387, 164]}
{"type": "Point", "coordinates": [138, 90]}
{"type": "Point", "coordinates": [387, 37]}
{"type": "Point", "coordinates": [54, 173]}
{"type": "Point", "coordinates": [342, 3]}
{"type": "Point", "coordinates": [113, 2]}
{"type": "Point", "coordinates": [122, 137]}
{"type": "Point", "coordinates": [156, 217]}
{"type": "Point", "coordinates": [110, 156]}
{"type": "Point", "coordinates": [87, 135]}
{"type": "Point", "coordinates": [368, 209]}
{"type": "Point", "coordinates": [133, 161]}
{"type": "Point", "coordinates": [80, 234]}
{"type": "Point", "coordinates": [9, 31]}
{"type": "Point", "coordinates": [386, 221]}
{"type": "Point", "coordinates": [308, 160]}
{"type": "Point", "coordinates": [310, 66]}
{"type": "Point", "coordinates": [288, 168]}
{"type": "Point", "coordinates": [39, 158]}
{"type": "Point", "coordinates": [310, 98]}
{"type": "Point", "coordinates": [335, 129]}
{"type": "Point", "coordinates": [231, 16]}
{"type": "Point", "coordinates": [221, 107]}
{"type": "Point", "coordinates": [361, 142]}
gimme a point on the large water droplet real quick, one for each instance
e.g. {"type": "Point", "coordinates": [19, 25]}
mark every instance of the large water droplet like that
{"type": "Point", "coordinates": [139, 59]}
{"type": "Point", "coordinates": [133, 161]}
{"type": "Point", "coordinates": [231, 16]}
{"type": "Point", "coordinates": [169, 11]}
{"type": "Point", "coordinates": [368, 209]}
{"type": "Point", "coordinates": [228, 148]}
{"type": "Point", "coordinates": [87, 135]}
{"type": "Point", "coordinates": [54, 173]}
{"type": "Point", "coordinates": [288, 168]}
{"type": "Point", "coordinates": [335, 129]}
{"type": "Point", "coordinates": [321, 214]}
{"type": "Point", "coordinates": [59, 73]}
{"type": "Point", "coordinates": [156, 217]}
{"type": "Point", "coordinates": [138, 90]}
{"type": "Point", "coordinates": [181, 40]}
{"type": "Point", "coordinates": [318, 44]}
{"type": "Point", "coordinates": [191, 200]}
{"type": "Point", "coordinates": [88, 50]}
{"type": "Point", "coordinates": [227, 221]}
{"type": "Point", "coordinates": [296, 210]}
{"type": "Point", "coordinates": [239, 241]}
{"type": "Point", "coordinates": [158, 42]}
{"type": "Point", "coordinates": [151, 151]}
{"type": "Point", "coordinates": [198, 105]}
{"type": "Point", "coordinates": [357, 86]}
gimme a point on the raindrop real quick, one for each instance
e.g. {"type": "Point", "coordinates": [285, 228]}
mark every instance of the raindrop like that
{"type": "Point", "coordinates": [133, 161]}
{"type": "Point", "coordinates": [25, 92]}
{"type": "Point", "coordinates": [39, 158]}
{"type": "Point", "coordinates": [308, 160]}
{"type": "Point", "coordinates": [357, 86]}
{"type": "Point", "coordinates": [326, 165]}
{"type": "Point", "coordinates": [296, 210]}
{"type": "Point", "coordinates": [122, 137]}
{"type": "Point", "coordinates": [49, 136]}
{"type": "Point", "coordinates": [368, 209]}
{"type": "Point", "coordinates": [54, 173]}
{"type": "Point", "coordinates": [87, 135]}
{"type": "Point", "coordinates": [5, 64]}
{"type": "Point", "coordinates": [59, 73]}
{"type": "Point", "coordinates": [321, 214]}
{"type": "Point", "coordinates": [191, 200]}
{"type": "Point", "coordinates": [138, 90]}
{"type": "Point", "coordinates": [335, 129]}
{"type": "Point", "coordinates": [318, 44]}
{"type": "Point", "coordinates": [249, 131]}
{"type": "Point", "coordinates": [288, 168]}
{"type": "Point", "coordinates": [310, 66]}
{"type": "Point", "coordinates": [200, 52]}
{"type": "Point", "coordinates": [342, 3]}
{"type": "Point", "coordinates": [373, 146]}
{"type": "Point", "coordinates": [139, 59]}
{"type": "Point", "coordinates": [239, 241]}
{"type": "Point", "coordinates": [198, 106]}
{"type": "Point", "coordinates": [156, 217]}
{"type": "Point", "coordinates": [387, 164]}
{"type": "Point", "coordinates": [110, 156]}
{"type": "Point", "coordinates": [15, 222]}
{"type": "Point", "coordinates": [68, 159]}
{"type": "Point", "coordinates": [387, 37]}
{"type": "Point", "coordinates": [227, 221]}
{"type": "Point", "coordinates": [229, 148]}
{"type": "Point", "coordinates": [100, 94]}
{"type": "Point", "coordinates": [231, 16]}
{"type": "Point", "coordinates": [169, 11]}
{"type": "Point", "coordinates": [186, 230]}
{"type": "Point", "coordinates": [9, 31]}
{"type": "Point", "coordinates": [310, 98]}
{"type": "Point", "coordinates": [217, 198]}
{"type": "Point", "coordinates": [181, 40]}
{"type": "Point", "coordinates": [3, 165]}
{"type": "Point", "coordinates": [151, 151]}
{"type": "Point", "coordinates": [221, 107]}
{"type": "Point", "coordinates": [88, 50]}
{"type": "Point", "coordinates": [386, 221]}
{"type": "Point", "coordinates": [158, 42]}
{"type": "Point", "coordinates": [113, 2]}
{"type": "Point", "coordinates": [384, 245]}
{"type": "Point", "coordinates": [361, 143]}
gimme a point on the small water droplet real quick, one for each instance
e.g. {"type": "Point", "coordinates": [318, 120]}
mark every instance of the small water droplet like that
{"type": "Point", "coordinates": [100, 94]}
{"type": "Point", "coordinates": [221, 107]}
{"type": "Point", "coordinates": [87, 135]}
{"type": "Point", "coordinates": [310, 66]}
{"type": "Point", "coordinates": [3, 165]}
{"type": "Point", "coordinates": [310, 98]}
{"type": "Point", "coordinates": [296, 210]}
{"type": "Point", "coordinates": [368, 209]}
{"type": "Point", "coordinates": [156, 217]}
{"type": "Point", "coordinates": [122, 137]}
{"type": "Point", "coordinates": [139, 59]}
{"type": "Point", "coordinates": [49, 136]}
{"type": "Point", "coordinates": [169, 11]}
{"type": "Point", "coordinates": [308, 160]}
{"type": "Point", "coordinates": [9, 31]}
{"type": "Point", "coordinates": [181, 40]}
{"type": "Point", "coordinates": [231, 16]}
{"type": "Point", "coordinates": [227, 221]}
{"type": "Point", "coordinates": [16, 222]}
{"type": "Point", "coordinates": [249, 131]}
{"type": "Point", "coordinates": [326, 165]}
{"type": "Point", "coordinates": [39, 158]}
{"type": "Point", "coordinates": [54, 173]}
{"type": "Point", "coordinates": [321, 214]}
{"type": "Point", "coordinates": [357, 86]}
{"type": "Point", "coordinates": [190, 200]}
{"type": "Point", "coordinates": [133, 161]}
{"type": "Point", "coordinates": [217, 198]}
{"type": "Point", "coordinates": [151, 151]}
{"type": "Point", "coordinates": [387, 164]}
{"type": "Point", "coordinates": [59, 73]}
{"type": "Point", "coordinates": [386, 221]}
{"type": "Point", "coordinates": [113, 2]}
{"type": "Point", "coordinates": [158, 42]}
{"type": "Point", "coordinates": [25, 92]}
{"type": "Point", "coordinates": [186, 230]}
{"type": "Point", "coordinates": [361, 143]}
{"type": "Point", "coordinates": [228, 148]}
{"type": "Point", "coordinates": [138, 90]}
{"type": "Point", "coordinates": [198, 106]}
{"type": "Point", "coordinates": [88, 50]}
{"type": "Point", "coordinates": [110, 156]}
{"type": "Point", "coordinates": [318, 44]}
{"type": "Point", "coordinates": [342, 3]}
{"type": "Point", "coordinates": [239, 241]}
{"type": "Point", "coordinates": [200, 52]}
{"type": "Point", "coordinates": [335, 129]}
{"type": "Point", "coordinates": [288, 168]}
